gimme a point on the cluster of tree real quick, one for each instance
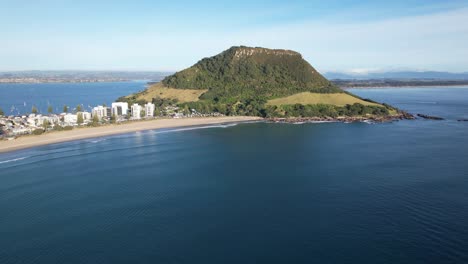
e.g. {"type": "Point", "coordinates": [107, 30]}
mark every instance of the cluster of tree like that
{"type": "Point", "coordinates": [247, 107]}
{"type": "Point", "coordinates": [50, 109]}
{"type": "Point", "coordinates": [132, 99]}
{"type": "Point", "coordinates": [324, 110]}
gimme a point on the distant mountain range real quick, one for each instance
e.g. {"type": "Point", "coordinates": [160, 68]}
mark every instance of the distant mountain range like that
{"type": "Point", "coordinates": [399, 75]}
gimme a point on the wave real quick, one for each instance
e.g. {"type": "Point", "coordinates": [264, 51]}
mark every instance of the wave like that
{"type": "Point", "coordinates": [97, 140]}
{"type": "Point", "coordinates": [195, 128]}
{"type": "Point", "coordinates": [425, 102]}
{"type": "Point", "coordinates": [13, 160]}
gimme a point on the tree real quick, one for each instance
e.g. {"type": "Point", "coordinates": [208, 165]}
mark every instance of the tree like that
{"type": "Point", "coordinates": [113, 118]}
{"type": "Point", "coordinates": [65, 109]}
{"type": "Point", "coordinates": [34, 109]}
{"type": "Point", "coordinates": [95, 119]}
{"type": "Point", "coordinates": [79, 119]}
{"type": "Point", "coordinates": [50, 109]}
{"type": "Point", "coordinates": [186, 110]}
{"type": "Point", "coordinates": [79, 108]}
{"type": "Point", "coordinates": [45, 124]}
{"type": "Point", "coordinates": [142, 113]}
{"type": "Point", "coordinates": [1, 112]}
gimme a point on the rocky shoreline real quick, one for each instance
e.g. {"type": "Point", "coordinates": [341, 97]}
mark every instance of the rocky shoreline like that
{"type": "Point", "coordinates": [430, 117]}
{"type": "Point", "coordinates": [344, 119]}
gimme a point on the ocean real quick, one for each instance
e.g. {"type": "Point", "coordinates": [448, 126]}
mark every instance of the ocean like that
{"type": "Point", "coordinates": [19, 98]}
{"type": "Point", "coordinates": [249, 193]}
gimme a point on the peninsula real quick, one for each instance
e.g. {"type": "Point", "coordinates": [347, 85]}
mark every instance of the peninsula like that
{"type": "Point", "coordinates": [270, 83]}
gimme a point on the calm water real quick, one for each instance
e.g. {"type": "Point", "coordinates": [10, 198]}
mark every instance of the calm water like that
{"type": "Point", "coordinates": [19, 98]}
{"type": "Point", "coordinates": [248, 193]}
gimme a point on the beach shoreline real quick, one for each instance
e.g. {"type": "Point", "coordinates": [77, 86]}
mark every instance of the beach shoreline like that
{"type": "Point", "coordinates": [30, 141]}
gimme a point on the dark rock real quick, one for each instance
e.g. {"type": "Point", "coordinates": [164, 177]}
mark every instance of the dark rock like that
{"type": "Point", "coordinates": [430, 117]}
{"type": "Point", "coordinates": [462, 120]}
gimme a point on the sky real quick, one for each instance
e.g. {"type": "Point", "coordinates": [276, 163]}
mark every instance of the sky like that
{"type": "Point", "coordinates": [355, 36]}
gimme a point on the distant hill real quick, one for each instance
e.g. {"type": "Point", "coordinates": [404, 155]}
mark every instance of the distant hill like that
{"type": "Point", "coordinates": [400, 75]}
{"type": "Point", "coordinates": [256, 81]}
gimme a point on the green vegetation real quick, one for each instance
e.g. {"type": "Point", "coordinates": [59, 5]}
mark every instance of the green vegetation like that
{"type": "Point", "coordinates": [50, 109]}
{"type": "Point", "coordinates": [34, 109]}
{"type": "Point", "coordinates": [95, 121]}
{"type": "Point", "coordinates": [38, 131]}
{"type": "Point", "coordinates": [79, 108]}
{"type": "Point", "coordinates": [257, 82]}
{"type": "Point", "coordinates": [113, 119]}
{"type": "Point", "coordinates": [1, 112]}
{"type": "Point", "coordinates": [65, 109]}
{"type": "Point", "coordinates": [79, 119]}
{"type": "Point", "coordinates": [242, 72]}
{"type": "Point", "coordinates": [325, 110]}
{"type": "Point", "coordinates": [46, 124]}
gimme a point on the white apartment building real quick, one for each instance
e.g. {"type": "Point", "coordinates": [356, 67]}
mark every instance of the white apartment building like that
{"type": "Point", "coordinates": [70, 118]}
{"type": "Point", "coordinates": [136, 111]}
{"type": "Point", "coordinates": [149, 110]}
{"type": "Point", "coordinates": [99, 111]}
{"type": "Point", "coordinates": [85, 115]}
{"type": "Point", "coordinates": [119, 108]}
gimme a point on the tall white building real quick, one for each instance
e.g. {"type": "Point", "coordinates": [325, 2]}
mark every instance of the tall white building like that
{"type": "Point", "coordinates": [119, 108]}
{"type": "Point", "coordinates": [85, 115]}
{"type": "Point", "coordinates": [136, 111]}
{"type": "Point", "coordinates": [99, 111]}
{"type": "Point", "coordinates": [149, 109]}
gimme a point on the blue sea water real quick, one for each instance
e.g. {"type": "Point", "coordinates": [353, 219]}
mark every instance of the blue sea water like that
{"type": "Point", "coordinates": [249, 193]}
{"type": "Point", "coordinates": [20, 98]}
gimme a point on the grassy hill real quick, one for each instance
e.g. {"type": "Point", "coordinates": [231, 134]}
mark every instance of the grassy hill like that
{"type": "Point", "coordinates": [244, 72]}
{"type": "Point", "coordinates": [256, 81]}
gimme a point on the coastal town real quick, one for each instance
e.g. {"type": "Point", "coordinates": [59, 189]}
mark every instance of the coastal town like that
{"type": "Point", "coordinates": [12, 126]}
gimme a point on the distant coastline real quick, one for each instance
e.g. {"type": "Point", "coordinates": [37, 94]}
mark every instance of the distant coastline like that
{"type": "Point", "coordinates": [37, 81]}
{"type": "Point", "coordinates": [25, 142]}
{"type": "Point", "coordinates": [394, 83]}
{"type": "Point", "coordinates": [78, 76]}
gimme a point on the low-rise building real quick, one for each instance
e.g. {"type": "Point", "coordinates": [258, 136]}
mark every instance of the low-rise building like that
{"type": "Point", "coordinates": [70, 119]}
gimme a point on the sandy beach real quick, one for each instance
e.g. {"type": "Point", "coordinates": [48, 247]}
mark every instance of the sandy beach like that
{"type": "Point", "coordinates": [92, 132]}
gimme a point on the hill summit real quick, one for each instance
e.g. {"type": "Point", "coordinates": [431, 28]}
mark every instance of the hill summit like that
{"type": "Point", "coordinates": [243, 72]}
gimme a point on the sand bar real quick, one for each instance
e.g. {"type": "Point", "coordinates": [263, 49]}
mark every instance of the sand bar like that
{"type": "Point", "coordinates": [127, 127]}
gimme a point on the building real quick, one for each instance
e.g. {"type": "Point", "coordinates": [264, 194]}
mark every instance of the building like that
{"type": "Point", "coordinates": [136, 111]}
{"type": "Point", "coordinates": [86, 115]}
{"type": "Point", "coordinates": [70, 119]}
{"type": "Point", "coordinates": [149, 110]}
{"type": "Point", "coordinates": [120, 109]}
{"type": "Point", "coordinates": [99, 111]}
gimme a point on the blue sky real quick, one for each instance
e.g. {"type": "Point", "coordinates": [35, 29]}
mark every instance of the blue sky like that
{"type": "Point", "coordinates": [348, 35]}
